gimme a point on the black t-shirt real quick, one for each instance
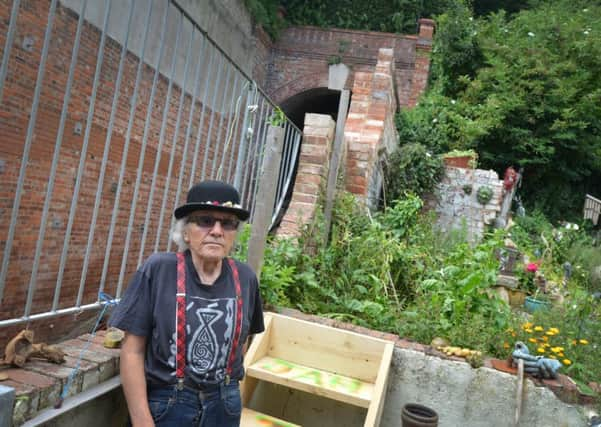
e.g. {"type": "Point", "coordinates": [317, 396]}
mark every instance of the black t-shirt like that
{"type": "Point", "coordinates": [148, 309]}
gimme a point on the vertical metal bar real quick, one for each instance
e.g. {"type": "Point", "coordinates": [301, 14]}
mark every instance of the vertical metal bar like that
{"type": "Point", "coordinates": [10, 38]}
{"type": "Point", "coordinates": [256, 142]}
{"type": "Point", "coordinates": [208, 142]}
{"type": "Point", "coordinates": [57, 148]}
{"type": "Point", "coordinates": [107, 144]}
{"type": "Point", "coordinates": [26, 148]}
{"type": "Point", "coordinates": [132, 114]}
{"type": "Point", "coordinates": [132, 117]}
{"type": "Point", "coordinates": [257, 115]}
{"type": "Point", "coordinates": [229, 124]}
{"type": "Point", "coordinates": [199, 130]}
{"type": "Point", "coordinates": [243, 144]}
{"type": "Point", "coordinates": [241, 103]}
{"type": "Point", "coordinates": [182, 166]}
{"type": "Point", "coordinates": [284, 162]}
{"type": "Point", "coordinates": [258, 156]}
{"type": "Point", "coordinates": [149, 109]}
{"type": "Point", "coordinates": [221, 110]}
{"type": "Point", "coordinates": [251, 142]}
{"type": "Point", "coordinates": [174, 142]}
{"type": "Point", "coordinates": [191, 113]}
{"type": "Point", "coordinates": [166, 109]}
{"type": "Point", "coordinates": [84, 149]}
{"type": "Point", "coordinates": [202, 112]}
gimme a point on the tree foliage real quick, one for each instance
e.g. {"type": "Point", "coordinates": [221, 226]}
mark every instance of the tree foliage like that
{"type": "Point", "coordinates": [534, 102]}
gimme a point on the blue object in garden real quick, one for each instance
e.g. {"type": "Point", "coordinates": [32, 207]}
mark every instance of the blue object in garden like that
{"type": "Point", "coordinates": [537, 366]}
{"type": "Point", "coordinates": [531, 304]}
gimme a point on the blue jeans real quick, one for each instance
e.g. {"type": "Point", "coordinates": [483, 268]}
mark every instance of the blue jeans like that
{"type": "Point", "coordinates": [220, 406]}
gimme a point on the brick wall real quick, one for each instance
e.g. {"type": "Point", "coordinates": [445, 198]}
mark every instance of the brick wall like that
{"type": "Point", "coordinates": [312, 173]}
{"type": "Point", "coordinates": [369, 131]}
{"type": "Point", "coordinates": [14, 120]}
{"type": "Point", "coordinates": [301, 56]}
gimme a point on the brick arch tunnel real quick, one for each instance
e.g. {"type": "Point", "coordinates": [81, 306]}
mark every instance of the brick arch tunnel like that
{"type": "Point", "coordinates": [320, 100]}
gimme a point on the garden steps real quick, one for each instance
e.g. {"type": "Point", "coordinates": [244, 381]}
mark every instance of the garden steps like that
{"type": "Point", "coordinates": [321, 360]}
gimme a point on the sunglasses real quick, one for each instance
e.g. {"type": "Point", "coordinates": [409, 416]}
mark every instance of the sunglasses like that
{"type": "Point", "coordinates": [208, 222]}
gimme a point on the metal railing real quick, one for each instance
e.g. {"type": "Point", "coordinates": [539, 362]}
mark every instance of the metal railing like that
{"type": "Point", "coordinates": [165, 109]}
{"type": "Point", "coordinates": [592, 209]}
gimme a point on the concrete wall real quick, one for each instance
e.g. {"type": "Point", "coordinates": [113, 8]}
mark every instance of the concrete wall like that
{"type": "Point", "coordinates": [467, 397]}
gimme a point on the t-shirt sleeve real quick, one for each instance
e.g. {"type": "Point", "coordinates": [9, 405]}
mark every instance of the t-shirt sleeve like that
{"type": "Point", "coordinates": [256, 323]}
{"type": "Point", "coordinates": [134, 312]}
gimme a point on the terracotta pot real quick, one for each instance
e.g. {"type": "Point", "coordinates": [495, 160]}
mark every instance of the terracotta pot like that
{"type": "Point", "coordinates": [516, 297]}
{"type": "Point", "coordinates": [458, 162]}
{"type": "Point", "coordinates": [416, 415]}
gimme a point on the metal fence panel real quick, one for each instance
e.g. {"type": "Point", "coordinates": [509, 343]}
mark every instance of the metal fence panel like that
{"type": "Point", "coordinates": [110, 145]}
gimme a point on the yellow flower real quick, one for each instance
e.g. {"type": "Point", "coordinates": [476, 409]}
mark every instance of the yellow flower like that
{"type": "Point", "coordinates": [528, 330]}
{"type": "Point", "coordinates": [583, 341]}
{"type": "Point", "coordinates": [546, 344]}
{"type": "Point", "coordinates": [560, 355]}
{"type": "Point", "coordinates": [545, 338]}
{"type": "Point", "coordinates": [539, 328]}
{"type": "Point", "coordinates": [527, 325]}
{"type": "Point", "coordinates": [505, 344]}
{"type": "Point", "coordinates": [550, 333]}
{"type": "Point", "coordinates": [540, 350]}
{"type": "Point", "coordinates": [513, 334]}
{"type": "Point", "coordinates": [567, 361]}
{"type": "Point", "coordinates": [554, 330]}
{"type": "Point", "coordinates": [552, 356]}
{"type": "Point", "coordinates": [574, 342]}
{"type": "Point", "coordinates": [555, 349]}
{"type": "Point", "coordinates": [534, 340]}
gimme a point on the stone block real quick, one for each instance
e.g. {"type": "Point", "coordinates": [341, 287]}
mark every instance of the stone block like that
{"type": "Point", "coordinates": [7, 401]}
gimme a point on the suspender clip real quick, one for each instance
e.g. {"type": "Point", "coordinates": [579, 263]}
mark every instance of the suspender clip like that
{"type": "Point", "coordinates": [227, 380]}
{"type": "Point", "coordinates": [180, 384]}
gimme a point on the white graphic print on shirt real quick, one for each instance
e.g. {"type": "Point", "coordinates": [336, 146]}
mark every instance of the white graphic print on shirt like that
{"type": "Point", "coordinates": [209, 331]}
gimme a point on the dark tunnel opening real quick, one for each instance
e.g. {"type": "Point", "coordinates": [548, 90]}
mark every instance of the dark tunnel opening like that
{"type": "Point", "coordinates": [319, 101]}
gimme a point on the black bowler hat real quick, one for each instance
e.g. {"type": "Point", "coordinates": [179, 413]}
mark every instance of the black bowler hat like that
{"type": "Point", "coordinates": [215, 195]}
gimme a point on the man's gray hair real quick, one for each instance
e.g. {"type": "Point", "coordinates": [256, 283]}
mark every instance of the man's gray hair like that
{"type": "Point", "coordinates": [177, 234]}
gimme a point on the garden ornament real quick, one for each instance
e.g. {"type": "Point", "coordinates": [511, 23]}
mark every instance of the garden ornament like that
{"type": "Point", "coordinates": [567, 271]}
{"type": "Point", "coordinates": [537, 366]}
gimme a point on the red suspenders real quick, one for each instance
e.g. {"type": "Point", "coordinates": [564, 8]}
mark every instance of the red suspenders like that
{"type": "Point", "coordinates": [180, 359]}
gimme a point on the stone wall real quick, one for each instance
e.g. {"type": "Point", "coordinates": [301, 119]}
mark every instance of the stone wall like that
{"type": "Point", "coordinates": [312, 173]}
{"type": "Point", "coordinates": [456, 209]}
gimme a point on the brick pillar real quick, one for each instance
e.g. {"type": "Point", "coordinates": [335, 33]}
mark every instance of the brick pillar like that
{"type": "Point", "coordinates": [423, 49]}
{"type": "Point", "coordinates": [312, 173]}
{"type": "Point", "coordinates": [369, 120]}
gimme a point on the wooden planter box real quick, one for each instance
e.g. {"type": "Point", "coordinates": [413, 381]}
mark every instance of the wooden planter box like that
{"type": "Point", "coordinates": [333, 364]}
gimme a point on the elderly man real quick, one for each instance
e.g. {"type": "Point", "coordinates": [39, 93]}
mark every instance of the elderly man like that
{"type": "Point", "coordinates": [186, 316]}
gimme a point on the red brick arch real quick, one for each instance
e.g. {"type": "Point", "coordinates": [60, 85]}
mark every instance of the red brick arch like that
{"type": "Point", "coordinates": [299, 85]}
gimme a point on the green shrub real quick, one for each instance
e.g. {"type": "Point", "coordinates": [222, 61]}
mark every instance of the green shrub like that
{"type": "Point", "coordinates": [412, 169]}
